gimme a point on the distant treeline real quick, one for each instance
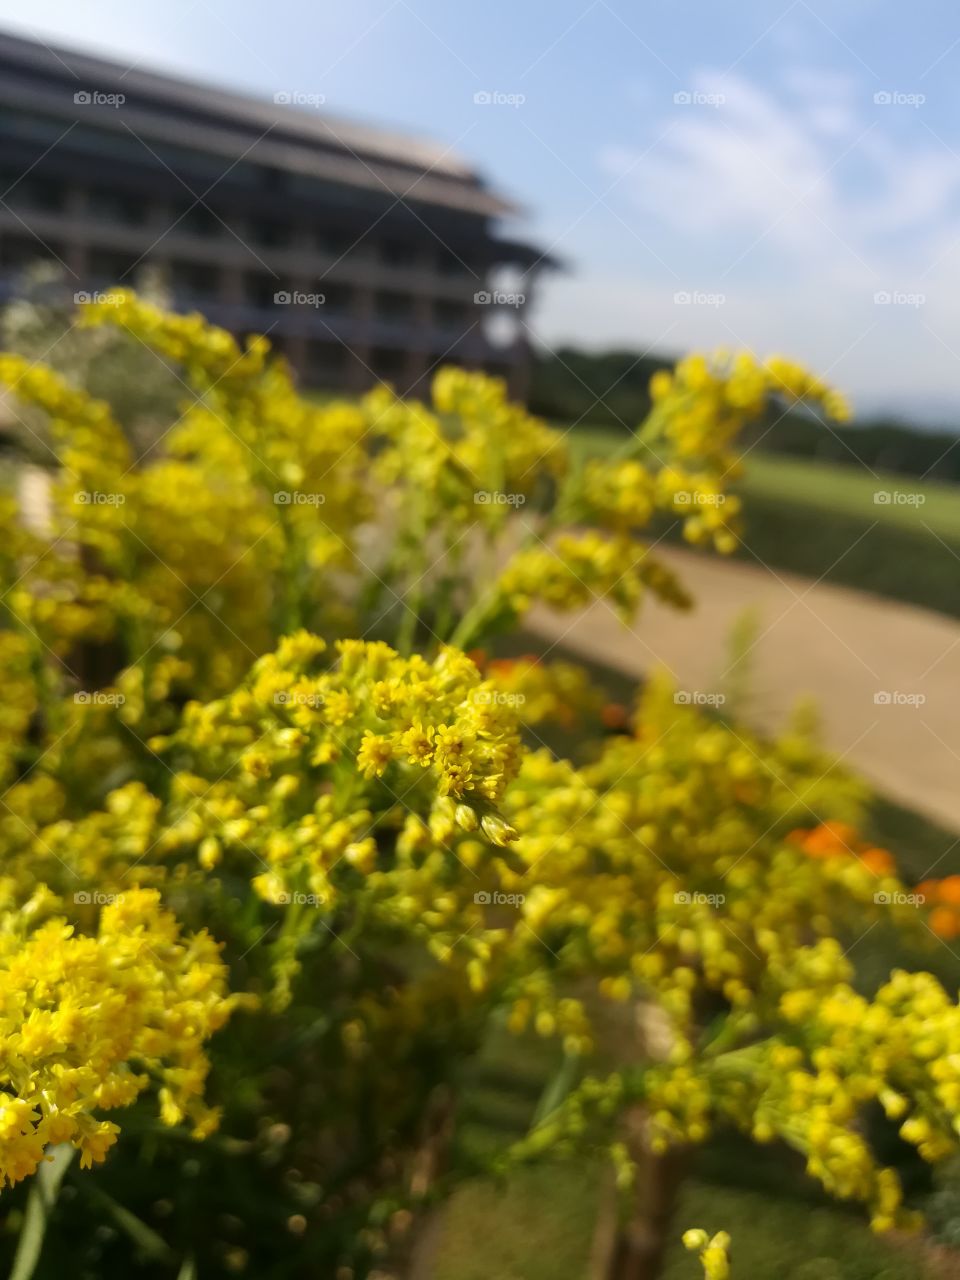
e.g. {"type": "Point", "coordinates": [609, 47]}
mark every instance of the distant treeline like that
{"type": "Point", "coordinates": [609, 389]}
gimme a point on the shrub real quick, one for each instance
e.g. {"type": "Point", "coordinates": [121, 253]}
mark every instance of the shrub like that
{"type": "Point", "coordinates": [360, 834]}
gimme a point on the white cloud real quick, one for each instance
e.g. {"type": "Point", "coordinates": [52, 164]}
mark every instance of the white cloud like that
{"type": "Point", "coordinates": [809, 170]}
{"type": "Point", "coordinates": [798, 202]}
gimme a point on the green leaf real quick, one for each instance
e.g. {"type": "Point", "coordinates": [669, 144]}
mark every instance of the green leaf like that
{"type": "Point", "coordinates": [40, 1202]}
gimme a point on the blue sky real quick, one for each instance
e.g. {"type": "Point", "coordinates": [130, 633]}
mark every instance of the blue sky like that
{"type": "Point", "coordinates": [738, 154]}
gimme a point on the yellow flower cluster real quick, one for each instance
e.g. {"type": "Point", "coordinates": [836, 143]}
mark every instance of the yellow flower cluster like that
{"type": "Point", "coordinates": [90, 1022]}
{"type": "Point", "coordinates": [582, 568]}
{"type": "Point", "coordinates": [712, 1250]}
{"type": "Point", "coordinates": [705, 402]}
{"type": "Point", "coordinates": [365, 819]}
{"type": "Point", "coordinates": [258, 511]}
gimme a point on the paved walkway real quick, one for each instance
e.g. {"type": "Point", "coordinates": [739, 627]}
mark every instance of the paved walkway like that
{"type": "Point", "coordinates": [885, 676]}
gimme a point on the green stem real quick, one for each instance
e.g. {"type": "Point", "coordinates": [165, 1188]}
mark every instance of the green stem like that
{"type": "Point", "coordinates": [40, 1202]}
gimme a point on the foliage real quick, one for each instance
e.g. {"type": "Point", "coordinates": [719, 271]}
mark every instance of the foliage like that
{"type": "Point", "coordinates": [604, 391]}
{"type": "Point", "coordinates": [39, 324]}
{"type": "Point", "coordinates": [193, 751]}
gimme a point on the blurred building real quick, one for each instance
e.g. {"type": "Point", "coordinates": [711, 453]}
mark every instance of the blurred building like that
{"type": "Point", "coordinates": [363, 254]}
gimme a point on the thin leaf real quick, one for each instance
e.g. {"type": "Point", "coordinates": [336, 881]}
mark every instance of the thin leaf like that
{"type": "Point", "coordinates": [40, 1202]}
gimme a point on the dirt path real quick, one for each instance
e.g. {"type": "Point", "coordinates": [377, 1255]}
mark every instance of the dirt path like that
{"type": "Point", "coordinates": [885, 676]}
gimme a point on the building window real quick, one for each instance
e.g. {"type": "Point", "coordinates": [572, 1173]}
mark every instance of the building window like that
{"type": "Point", "coordinates": [337, 243]}
{"type": "Point", "coordinates": [196, 220]}
{"type": "Point", "coordinates": [20, 252]}
{"type": "Point", "coordinates": [326, 364]}
{"type": "Point", "coordinates": [106, 266]}
{"type": "Point", "coordinates": [453, 316]}
{"type": "Point", "coordinates": [393, 306]}
{"type": "Point", "coordinates": [115, 207]}
{"type": "Point", "coordinates": [398, 253]}
{"type": "Point", "coordinates": [260, 288]}
{"type": "Point", "coordinates": [388, 363]}
{"type": "Point", "coordinates": [45, 195]}
{"type": "Point", "coordinates": [338, 299]}
{"type": "Point", "coordinates": [271, 233]}
{"type": "Point", "coordinates": [452, 264]}
{"type": "Point", "coordinates": [194, 280]}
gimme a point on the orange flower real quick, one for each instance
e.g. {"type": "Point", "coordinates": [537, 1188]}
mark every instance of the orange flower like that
{"type": "Point", "coordinates": [614, 715]}
{"type": "Point", "coordinates": [949, 890]}
{"type": "Point", "coordinates": [945, 923]}
{"type": "Point", "coordinates": [837, 837]}
{"type": "Point", "coordinates": [879, 861]}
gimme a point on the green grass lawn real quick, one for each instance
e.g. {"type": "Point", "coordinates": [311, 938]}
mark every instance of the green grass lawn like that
{"type": "Point", "coordinates": [850, 491]}
{"type": "Point", "coordinates": [820, 520]}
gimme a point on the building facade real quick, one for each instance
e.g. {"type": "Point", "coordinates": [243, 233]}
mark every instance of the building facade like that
{"type": "Point", "coordinates": [363, 255]}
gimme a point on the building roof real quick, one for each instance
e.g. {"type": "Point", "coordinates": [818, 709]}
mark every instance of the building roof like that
{"type": "Point", "coordinates": [235, 125]}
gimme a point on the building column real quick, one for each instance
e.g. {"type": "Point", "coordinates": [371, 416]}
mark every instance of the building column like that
{"type": "Point", "coordinates": [359, 377]}
{"type": "Point", "coordinates": [76, 251]}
